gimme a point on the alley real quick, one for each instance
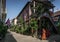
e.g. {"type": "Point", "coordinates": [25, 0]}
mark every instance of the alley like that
{"type": "Point", "coordinates": [14, 37]}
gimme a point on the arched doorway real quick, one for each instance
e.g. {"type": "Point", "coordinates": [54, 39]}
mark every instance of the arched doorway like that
{"type": "Point", "coordinates": [46, 23]}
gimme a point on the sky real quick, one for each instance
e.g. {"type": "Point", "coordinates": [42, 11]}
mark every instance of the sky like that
{"type": "Point", "coordinates": [57, 5]}
{"type": "Point", "coordinates": [15, 6]}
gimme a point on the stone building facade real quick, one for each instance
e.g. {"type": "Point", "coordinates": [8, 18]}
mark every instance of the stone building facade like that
{"type": "Point", "coordinates": [2, 10]}
{"type": "Point", "coordinates": [25, 14]}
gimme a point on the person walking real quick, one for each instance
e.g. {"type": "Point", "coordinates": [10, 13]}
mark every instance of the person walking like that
{"type": "Point", "coordinates": [43, 34]}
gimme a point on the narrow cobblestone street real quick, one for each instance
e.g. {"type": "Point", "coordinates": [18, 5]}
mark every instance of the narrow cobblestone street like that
{"type": "Point", "coordinates": [14, 37]}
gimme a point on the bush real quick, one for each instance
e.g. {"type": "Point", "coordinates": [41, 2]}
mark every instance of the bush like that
{"type": "Point", "coordinates": [12, 28]}
{"type": "Point", "coordinates": [16, 28]}
{"type": "Point", "coordinates": [58, 27]}
{"type": "Point", "coordinates": [27, 31]}
{"type": "Point", "coordinates": [3, 30]}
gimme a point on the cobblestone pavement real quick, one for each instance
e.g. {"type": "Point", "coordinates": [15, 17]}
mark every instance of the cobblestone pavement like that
{"type": "Point", "coordinates": [55, 38]}
{"type": "Point", "coordinates": [15, 37]}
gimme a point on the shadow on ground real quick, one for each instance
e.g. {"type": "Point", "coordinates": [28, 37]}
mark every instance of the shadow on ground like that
{"type": "Point", "coordinates": [54, 38]}
{"type": "Point", "coordinates": [8, 38]}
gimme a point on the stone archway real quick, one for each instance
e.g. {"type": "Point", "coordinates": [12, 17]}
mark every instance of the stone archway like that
{"type": "Point", "coordinates": [45, 22]}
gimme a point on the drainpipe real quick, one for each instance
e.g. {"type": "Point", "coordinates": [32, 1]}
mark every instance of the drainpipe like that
{"type": "Point", "coordinates": [34, 6]}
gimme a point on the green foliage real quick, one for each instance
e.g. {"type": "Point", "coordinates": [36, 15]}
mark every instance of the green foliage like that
{"type": "Point", "coordinates": [58, 25]}
{"type": "Point", "coordinates": [27, 31]}
{"type": "Point", "coordinates": [21, 30]}
{"type": "Point", "coordinates": [3, 29]}
{"type": "Point", "coordinates": [21, 20]}
{"type": "Point", "coordinates": [33, 24]}
{"type": "Point", "coordinates": [12, 28]}
{"type": "Point", "coordinates": [17, 29]}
